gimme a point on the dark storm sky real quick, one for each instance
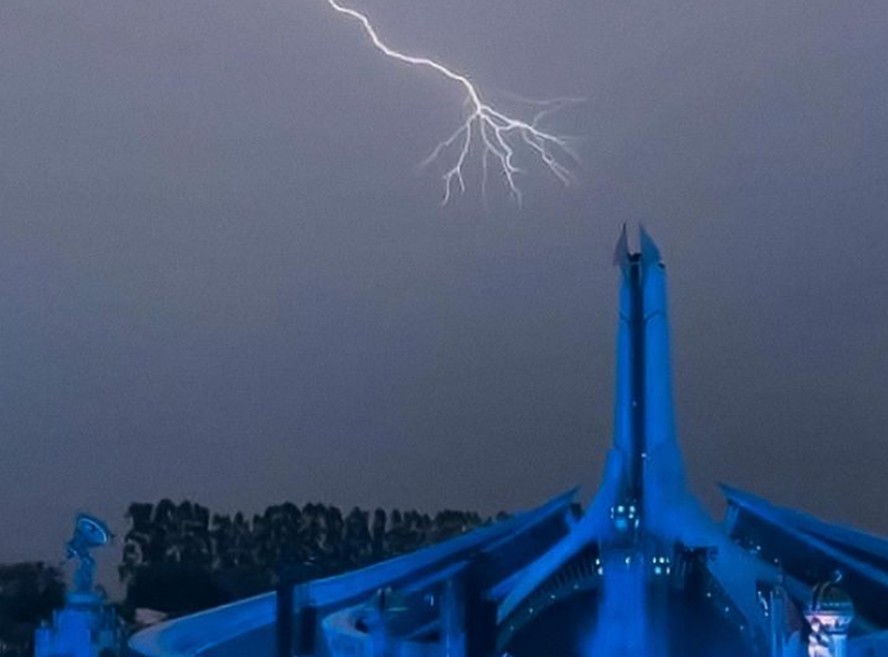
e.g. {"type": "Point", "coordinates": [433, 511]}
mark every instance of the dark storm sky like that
{"type": "Point", "coordinates": [222, 276]}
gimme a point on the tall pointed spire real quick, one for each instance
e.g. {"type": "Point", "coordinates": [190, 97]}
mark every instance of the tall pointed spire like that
{"type": "Point", "coordinates": [644, 423]}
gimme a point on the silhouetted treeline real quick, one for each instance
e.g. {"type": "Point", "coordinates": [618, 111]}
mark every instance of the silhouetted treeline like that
{"type": "Point", "coordinates": [181, 558]}
{"type": "Point", "coordinates": [28, 594]}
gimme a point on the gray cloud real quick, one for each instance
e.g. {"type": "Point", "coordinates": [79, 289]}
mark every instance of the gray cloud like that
{"type": "Point", "coordinates": [223, 277]}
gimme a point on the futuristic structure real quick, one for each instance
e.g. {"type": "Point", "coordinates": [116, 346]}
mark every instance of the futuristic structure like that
{"type": "Point", "coordinates": [642, 572]}
{"type": "Point", "coordinates": [86, 626]}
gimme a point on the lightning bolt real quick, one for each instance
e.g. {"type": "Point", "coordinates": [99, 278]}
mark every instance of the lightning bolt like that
{"type": "Point", "coordinates": [494, 132]}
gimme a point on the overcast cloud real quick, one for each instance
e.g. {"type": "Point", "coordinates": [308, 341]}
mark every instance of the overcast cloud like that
{"type": "Point", "coordinates": [223, 276]}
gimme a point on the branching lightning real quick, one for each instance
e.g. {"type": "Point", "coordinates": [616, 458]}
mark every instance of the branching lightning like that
{"type": "Point", "coordinates": [487, 131]}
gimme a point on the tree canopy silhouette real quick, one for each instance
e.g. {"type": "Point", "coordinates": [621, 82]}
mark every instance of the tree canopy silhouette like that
{"type": "Point", "coordinates": [180, 558]}
{"type": "Point", "coordinates": [29, 592]}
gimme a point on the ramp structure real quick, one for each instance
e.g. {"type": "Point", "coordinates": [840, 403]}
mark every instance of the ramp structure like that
{"type": "Point", "coordinates": [643, 572]}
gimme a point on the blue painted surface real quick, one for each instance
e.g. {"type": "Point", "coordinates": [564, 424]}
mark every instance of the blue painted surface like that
{"type": "Point", "coordinates": [643, 553]}
{"type": "Point", "coordinates": [206, 631]}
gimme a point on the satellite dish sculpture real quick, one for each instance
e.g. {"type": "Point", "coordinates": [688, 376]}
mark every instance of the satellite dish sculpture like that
{"type": "Point", "coordinates": [89, 533]}
{"type": "Point", "coordinates": [86, 626]}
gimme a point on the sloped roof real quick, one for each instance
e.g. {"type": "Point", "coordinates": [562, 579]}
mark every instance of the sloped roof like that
{"type": "Point", "coordinates": [860, 556]}
{"type": "Point", "coordinates": [192, 635]}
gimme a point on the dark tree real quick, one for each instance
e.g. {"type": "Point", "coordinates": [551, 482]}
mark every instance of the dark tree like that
{"type": "Point", "coordinates": [356, 539]}
{"type": "Point", "coordinates": [334, 552]}
{"type": "Point", "coordinates": [175, 589]}
{"type": "Point", "coordinates": [312, 530]}
{"type": "Point", "coordinates": [29, 592]}
{"type": "Point", "coordinates": [179, 558]}
{"type": "Point", "coordinates": [377, 534]}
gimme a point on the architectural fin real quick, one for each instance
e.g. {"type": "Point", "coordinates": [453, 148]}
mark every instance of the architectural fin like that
{"type": "Point", "coordinates": [621, 250]}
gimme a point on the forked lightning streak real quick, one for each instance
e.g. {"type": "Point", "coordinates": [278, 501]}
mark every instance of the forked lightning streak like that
{"type": "Point", "coordinates": [486, 131]}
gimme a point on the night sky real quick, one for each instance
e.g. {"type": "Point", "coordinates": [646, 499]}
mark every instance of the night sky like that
{"type": "Point", "coordinates": [223, 276]}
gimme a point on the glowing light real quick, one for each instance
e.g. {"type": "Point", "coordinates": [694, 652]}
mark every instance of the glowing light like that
{"type": "Point", "coordinates": [487, 131]}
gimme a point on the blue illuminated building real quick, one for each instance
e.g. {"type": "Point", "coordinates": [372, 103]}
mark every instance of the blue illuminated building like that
{"type": "Point", "coordinates": [643, 572]}
{"type": "Point", "coordinates": [87, 626]}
